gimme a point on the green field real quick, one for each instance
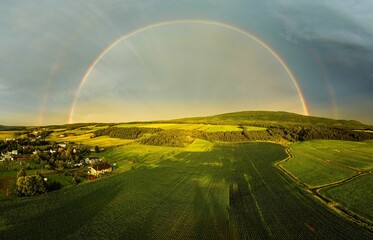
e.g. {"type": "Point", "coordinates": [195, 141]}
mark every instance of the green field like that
{"type": "Point", "coordinates": [322, 163]}
{"type": "Point", "coordinates": [356, 195]}
{"type": "Point", "coordinates": [135, 155]}
{"type": "Point", "coordinates": [199, 145]}
{"type": "Point", "coordinates": [102, 141]}
{"type": "Point", "coordinates": [232, 191]}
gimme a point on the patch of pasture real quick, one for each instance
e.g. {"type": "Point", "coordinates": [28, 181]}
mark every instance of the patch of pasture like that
{"type": "Point", "coordinates": [223, 128]}
{"type": "Point", "coordinates": [253, 128]}
{"type": "Point", "coordinates": [199, 145]}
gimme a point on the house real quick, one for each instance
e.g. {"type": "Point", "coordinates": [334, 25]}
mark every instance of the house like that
{"type": "Point", "coordinates": [92, 160]}
{"type": "Point", "coordinates": [7, 156]}
{"type": "Point", "coordinates": [78, 164]}
{"type": "Point", "coordinates": [100, 169]}
{"type": "Point", "coordinates": [62, 145]}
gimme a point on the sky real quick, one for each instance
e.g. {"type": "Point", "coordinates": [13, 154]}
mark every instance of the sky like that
{"type": "Point", "coordinates": [119, 61]}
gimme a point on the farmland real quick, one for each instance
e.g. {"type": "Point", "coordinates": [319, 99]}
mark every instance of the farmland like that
{"type": "Point", "coordinates": [232, 191]}
{"type": "Point", "coordinates": [220, 177]}
{"type": "Point", "coordinates": [340, 171]}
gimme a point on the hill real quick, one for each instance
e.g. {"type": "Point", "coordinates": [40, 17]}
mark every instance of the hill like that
{"type": "Point", "coordinates": [270, 118]}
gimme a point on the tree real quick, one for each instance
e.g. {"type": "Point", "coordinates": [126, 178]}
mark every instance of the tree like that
{"type": "Point", "coordinates": [74, 181]}
{"type": "Point", "coordinates": [97, 149]}
{"type": "Point", "coordinates": [21, 173]}
{"type": "Point", "coordinates": [30, 185]}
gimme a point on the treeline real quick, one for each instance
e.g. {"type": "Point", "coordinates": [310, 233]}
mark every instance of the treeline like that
{"type": "Point", "coordinates": [126, 133]}
{"type": "Point", "coordinates": [294, 134]}
{"type": "Point", "coordinates": [171, 138]}
{"type": "Point", "coordinates": [182, 138]}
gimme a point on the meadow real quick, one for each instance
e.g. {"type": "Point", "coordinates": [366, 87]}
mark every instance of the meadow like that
{"type": "Point", "coordinates": [229, 191]}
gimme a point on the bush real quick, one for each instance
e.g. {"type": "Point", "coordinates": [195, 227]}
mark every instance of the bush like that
{"type": "Point", "coordinates": [30, 185]}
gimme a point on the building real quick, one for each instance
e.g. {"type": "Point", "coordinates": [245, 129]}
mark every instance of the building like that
{"type": "Point", "coordinates": [92, 160]}
{"type": "Point", "coordinates": [100, 169]}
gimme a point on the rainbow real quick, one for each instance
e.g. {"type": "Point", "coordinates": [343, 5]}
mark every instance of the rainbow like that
{"type": "Point", "coordinates": [160, 24]}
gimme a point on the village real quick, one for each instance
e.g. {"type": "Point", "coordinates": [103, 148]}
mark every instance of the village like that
{"type": "Point", "coordinates": [33, 154]}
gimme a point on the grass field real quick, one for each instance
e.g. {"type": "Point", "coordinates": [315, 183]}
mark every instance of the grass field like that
{"type": "Point", "coordinates": [232, 191]}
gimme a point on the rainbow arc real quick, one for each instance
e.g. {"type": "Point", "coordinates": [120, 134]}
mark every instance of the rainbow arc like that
{"type": "Point", "coordinates": [160, 24]}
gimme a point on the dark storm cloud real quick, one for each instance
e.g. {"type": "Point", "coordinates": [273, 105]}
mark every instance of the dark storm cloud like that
{"type": "Point", "coordinates": [340, 33]}
{"type": "Point", "coordinates": [47, 46]}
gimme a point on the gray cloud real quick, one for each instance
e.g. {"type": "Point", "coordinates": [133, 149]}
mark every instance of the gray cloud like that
{"type": "Point", "coordinates": [344, 22]}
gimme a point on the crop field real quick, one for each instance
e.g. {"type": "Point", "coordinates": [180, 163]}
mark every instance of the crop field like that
{"type": "Point", "coordinates": [232, 191]}
{"type": "Point", "coordinates": [102, 141]}
{"type": "Point", "coordinates": [331, 165]}
{"type": "Point", "coordinates": [6, 134]}
{"type": "Point", "coordinates": [324, 162]}
{"type": "Point", "coordinates": [199, 145]}
{"type": "Point", "coordinates": [135, 154]}
{"type": "Point", "coordinates": [356, 195]}
{"type": "Point", "coordinates": [351, 154]}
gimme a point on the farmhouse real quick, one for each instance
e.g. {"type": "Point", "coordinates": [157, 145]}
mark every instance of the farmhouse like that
{"type": "Point", "coordinates": [92, 160]}
{"type": "Point", "coordinates": [100, 169]}
{"type": "Point", "coordinates": [7, 156]}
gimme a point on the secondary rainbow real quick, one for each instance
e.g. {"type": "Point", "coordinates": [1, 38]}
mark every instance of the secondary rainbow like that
{"type": "Point", "coordinates": [160, 24]}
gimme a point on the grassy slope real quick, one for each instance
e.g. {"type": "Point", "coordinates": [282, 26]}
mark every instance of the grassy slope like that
{"type": "Point", "coordinates": [198, 127]}
{"type": "Point", "coordinates": [269, 118]}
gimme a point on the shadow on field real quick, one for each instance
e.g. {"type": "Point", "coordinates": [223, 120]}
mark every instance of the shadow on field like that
{"type": "Point", "coordinates": [67, 214]}
{"type": "Point", "coordinates": [230, 192]}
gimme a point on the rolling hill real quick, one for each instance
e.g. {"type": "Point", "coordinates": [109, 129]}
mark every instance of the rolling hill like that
{"type": "Point", "coordinates": [271, 118]}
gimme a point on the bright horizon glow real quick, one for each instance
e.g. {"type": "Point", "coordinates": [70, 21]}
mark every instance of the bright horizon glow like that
{"type": "Point", "coordinates": [160, 24]}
